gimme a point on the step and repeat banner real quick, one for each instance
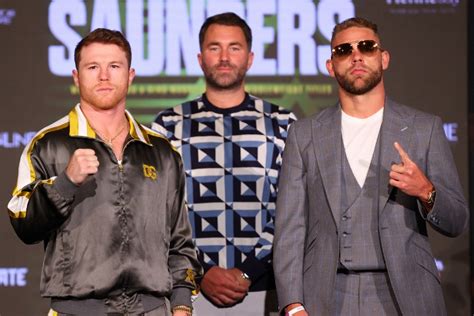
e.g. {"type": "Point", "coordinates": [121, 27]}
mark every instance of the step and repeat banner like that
{"type": "Point", "coordinates": [427, 40]}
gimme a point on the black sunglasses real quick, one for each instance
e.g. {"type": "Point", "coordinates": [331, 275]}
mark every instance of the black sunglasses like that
{"type": "Point", "coordinates": [366, 47]}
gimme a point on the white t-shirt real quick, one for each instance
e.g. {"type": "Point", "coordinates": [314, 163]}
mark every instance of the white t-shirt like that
{"type": "Point", "coordinates": [360, 137]}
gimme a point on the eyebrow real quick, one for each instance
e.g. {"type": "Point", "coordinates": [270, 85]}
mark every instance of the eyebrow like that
{"type": "Point", "coordinates": [230, 44]}
{"type": "Point", "coordinates": [96, 62]}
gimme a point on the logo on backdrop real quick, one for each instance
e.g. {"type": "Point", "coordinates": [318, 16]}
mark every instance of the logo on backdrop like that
{"type": "Point", "coordinates": [15, 139]}
{"type": "Point", "coordinates": [164, 33]}
{"type": "Point", "coordinates": [13, 277]}
{"type": "Point", "coordinates": [7, 16]}
{"type": "Point", "coordinates": [451, 131]}
{"type": "Point", "coordinates": [291, 39]}
{"type": "Point", "coordinates": [414, 7]}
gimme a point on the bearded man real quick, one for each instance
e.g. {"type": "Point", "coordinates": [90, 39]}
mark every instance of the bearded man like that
{"type": "Point", "coordinates": [360, 182]}
{"type": "Point", "coordinates": [105, 195]}
{"type": "Point", "coordinates": [231, 143]}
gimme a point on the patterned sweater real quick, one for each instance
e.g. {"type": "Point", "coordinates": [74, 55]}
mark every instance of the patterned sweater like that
{"type": "Point", "coordinates": [232, 158]}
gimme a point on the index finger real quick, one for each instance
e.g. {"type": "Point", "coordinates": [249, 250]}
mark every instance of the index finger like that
{"type": "Point", "coordinates": [234, 285]}
{"type": "Point", "coordinates": [403, 154]}
{"type": "Point", "coordinates": [84, 151]}
{"type": "Point", "coordinates": [237, 287]}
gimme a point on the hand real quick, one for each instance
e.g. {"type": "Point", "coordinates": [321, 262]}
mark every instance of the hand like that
{"type": "Point", "coordinates": [238, 276]}
{"type": "Point", "coordinates": [223, 287]}
{"type": "Point", "coordinates": [82, 163]}
{"type": "Point", "coordinates": [408, 177]}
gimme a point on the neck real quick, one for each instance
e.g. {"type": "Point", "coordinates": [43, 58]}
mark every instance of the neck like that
{"type": "Point", "coordinates": [225, 99]}
{"type": "Point", "coordinates": [107, 121]}
{"type": "Point", "coordinates": [111, 125]}
{"type": "Point", "coordinates": [365, 105]}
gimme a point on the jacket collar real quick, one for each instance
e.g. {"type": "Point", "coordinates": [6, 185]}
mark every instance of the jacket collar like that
{"type": "Point", "coordinates": [80, 127]}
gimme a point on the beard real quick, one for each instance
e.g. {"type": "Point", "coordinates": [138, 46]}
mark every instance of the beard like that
{"type": "Point", "coordinates": [224, 81]}
{"type": "Point", "coordinates": [104, 102]}
{"type": "Point", "coordinates": [349, 85]}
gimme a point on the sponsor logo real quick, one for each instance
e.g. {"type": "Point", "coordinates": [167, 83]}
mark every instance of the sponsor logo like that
{"type": "Point", "coordinates": [7, 16]}
{"type": "Point", "coordinates": [453, 3]}
{"type": "Point", "coordinates": [451, 131]}
{"type": "Point", "coordinates": [149, 172]}
{"type": "Point", "coordinates": [15, 139]}
{"type": "Point", "coordinates": [13, 277]}
{"type": "Point", "coordinates": [410, 7]}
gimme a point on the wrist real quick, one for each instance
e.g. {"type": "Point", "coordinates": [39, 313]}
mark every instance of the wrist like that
{"type": "Point", "coordinates": [182, 309]}
{"type": "Point", "coordinates": [428, 198]}
{"type": "Point", "coordinates": [426, 193]}
{"type": "Point", "coordinates": [245, 277]}
{"type": "Point", "coordinates": [293, 308]}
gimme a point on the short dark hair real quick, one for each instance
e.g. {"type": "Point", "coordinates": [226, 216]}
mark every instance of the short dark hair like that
{"type": "Point", "coordinates": [104, 36]}
{"type": "Point", "coordinates": [228, 19]}
{"type": "Point", "coordinates": [354, 22]}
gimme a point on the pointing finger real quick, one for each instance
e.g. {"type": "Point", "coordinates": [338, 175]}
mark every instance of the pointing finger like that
{"type": "Point", "coordinates": [403, 155]}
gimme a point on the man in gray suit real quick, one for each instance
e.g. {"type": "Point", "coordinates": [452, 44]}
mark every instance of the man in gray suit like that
{"type": "Point", "coordinates": [359, 182]}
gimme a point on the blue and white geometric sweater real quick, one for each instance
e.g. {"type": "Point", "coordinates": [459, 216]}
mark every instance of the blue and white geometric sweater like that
{"type": "Point", "coordinates": [232, 158]}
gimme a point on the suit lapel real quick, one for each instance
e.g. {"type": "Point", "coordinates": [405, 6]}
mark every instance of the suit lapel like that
{"type": "Point", "coordinates": [396, 127]}
{"type": "Point", "coordinates": [326, 132]}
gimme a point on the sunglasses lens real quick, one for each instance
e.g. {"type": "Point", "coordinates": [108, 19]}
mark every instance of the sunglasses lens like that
{"type": "Point", "coordinates": [367, 46]}
{"type": "Point", "coordinates": [342, 50]}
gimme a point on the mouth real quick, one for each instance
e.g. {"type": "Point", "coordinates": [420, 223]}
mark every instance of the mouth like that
{"type": "Point", "coordinates": [104, 89]}
{"type": "Point", "coordinates": [224, 69]}
{"type": "Point", "coordinates": [358, 71]}
{"type": "Point", "coordinates": [225, 66]}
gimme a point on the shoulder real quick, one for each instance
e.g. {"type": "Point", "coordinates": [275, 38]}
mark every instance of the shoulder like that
{"type": "Point", "coordinates": [167, 120]}
{"type": "Point", "coordinates": [393, 108]}
{"type": "Point", "coordinates": [324, 116]}
{"type": "Point", "coordinates": [158, 141]}
{"type": "Point", "coordinates": [55, 133]}
{"type": "Point", "coordinates": [273, 110]}
{"type": "Point", "coordinates": [179, 110]}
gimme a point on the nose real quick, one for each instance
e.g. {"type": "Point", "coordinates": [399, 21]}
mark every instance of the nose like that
{"type": "Point", "coordinates": [103, 74]}
{"type": "Point", "coordinates": [356, 55]}
{"type": "Point", "coordinates": [224, 56]}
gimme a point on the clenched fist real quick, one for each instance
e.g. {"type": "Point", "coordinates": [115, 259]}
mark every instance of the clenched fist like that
{"type": "Point", "coordinates": [82, 163]}
{"type": "Point", "coordinates": [224, 287]}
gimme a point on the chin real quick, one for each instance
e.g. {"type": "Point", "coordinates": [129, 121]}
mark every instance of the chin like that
{"type": "Point", "coordinates": [105, 105]}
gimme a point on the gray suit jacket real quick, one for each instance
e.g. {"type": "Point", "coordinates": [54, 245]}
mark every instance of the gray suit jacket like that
{"type": "Point", "coordinates": [306, 240]}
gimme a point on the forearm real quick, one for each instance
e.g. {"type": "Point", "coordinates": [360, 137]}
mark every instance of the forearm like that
{"type": "Point", "coordinates": [41, 207]}
{"type": "Point", "coordinates": [449, 214]}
